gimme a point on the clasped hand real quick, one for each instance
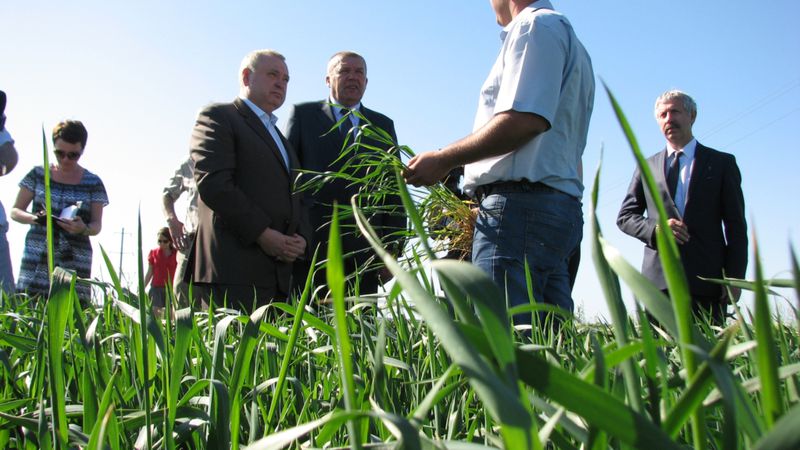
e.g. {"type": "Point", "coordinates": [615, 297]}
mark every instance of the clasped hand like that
{"type": "Point", "coordinates": [280, 246]}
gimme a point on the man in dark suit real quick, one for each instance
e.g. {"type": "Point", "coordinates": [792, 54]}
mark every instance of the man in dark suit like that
{"type": "Point", "coordinates": [251, 225]}
{"type": "Point", "coordinates": [702, 193]}
{"type": "Point", "coordinates": [318, 148]}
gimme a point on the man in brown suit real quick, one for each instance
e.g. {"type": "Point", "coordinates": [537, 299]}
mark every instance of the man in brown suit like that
{"type": "Point", "coordinates": [251, 225]}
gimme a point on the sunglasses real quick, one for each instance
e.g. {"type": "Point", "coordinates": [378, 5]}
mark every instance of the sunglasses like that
{"type": "Point", "coordinates": [162, 241]}
{"type": "Point", "coordinates": [72, 156]}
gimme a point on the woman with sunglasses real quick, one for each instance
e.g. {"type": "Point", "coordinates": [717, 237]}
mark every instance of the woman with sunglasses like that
{"type": "Point", "coordinates": [162, 262]}
{"type": "Point", "coordinates": [77, 199]}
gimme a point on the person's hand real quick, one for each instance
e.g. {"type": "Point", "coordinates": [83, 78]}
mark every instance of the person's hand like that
{"type": "Point", "coordinates": [426, 169]}
{"type": "Point", "coordinates": [177, 231]}
{"type": "Point", "coordinates": [679, 230]}
{"type": "Point", "coordinates": [297, 246]}
{"type": "Point", "coordinates": [72, 226]}
{"type": "Point", "coordinates": [736, 293]}
{"type": "Point", "coordinates": [384, 274]}
{"type": "Point", "coordinates": [280, 246]}
{"type": "Point", "coordinates": [8, 158]}
{"type": "Point", "coordinates": [40, 218]}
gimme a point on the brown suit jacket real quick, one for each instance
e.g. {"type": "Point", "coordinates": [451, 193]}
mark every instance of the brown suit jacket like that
{"type": "Point", "coordinates": [244, 188]}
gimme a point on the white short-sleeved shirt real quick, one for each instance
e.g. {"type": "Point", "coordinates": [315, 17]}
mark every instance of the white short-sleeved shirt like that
{"type": "Point", "coordinates": [543, 69]}
{"type": "Point", "coordinates": [183, 181]}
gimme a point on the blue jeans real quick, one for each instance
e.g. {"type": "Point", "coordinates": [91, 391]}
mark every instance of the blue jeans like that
{"type": "Point", "coordinates": [6, 272]}
{"type": "Point", "coordinates": [523, 221]}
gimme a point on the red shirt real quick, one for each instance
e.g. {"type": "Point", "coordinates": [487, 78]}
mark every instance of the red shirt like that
{"type": "Point", "coordinates": [163, 266]}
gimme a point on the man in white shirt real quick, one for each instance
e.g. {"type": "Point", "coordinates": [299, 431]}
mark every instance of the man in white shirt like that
{"type": "Point", "coordinates": [522, 159]}
{"type": "Point", "coordinates": [182, 232]}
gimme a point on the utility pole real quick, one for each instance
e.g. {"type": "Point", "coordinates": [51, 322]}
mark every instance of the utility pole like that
{"type": "Point", "coordinates": [122, 234]}
{"type": "Point", "coordinates": [121, 248]}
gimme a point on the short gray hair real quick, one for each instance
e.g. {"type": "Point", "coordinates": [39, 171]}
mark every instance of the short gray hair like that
{"type": "Point", "coordinates": [251, 60]}
{"type": "Point", "coordinates": [688, 102]}
{"type": "Point", "coordinates": [337, 57]}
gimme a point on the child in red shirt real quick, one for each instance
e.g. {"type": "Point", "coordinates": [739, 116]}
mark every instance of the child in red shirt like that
{"type": "Point", "coordinates": [161, 270]}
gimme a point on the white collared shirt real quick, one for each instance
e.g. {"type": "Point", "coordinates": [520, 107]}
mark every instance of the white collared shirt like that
{"type": "Point", "coordinates": [684, 173]}
{"type": "Point", "coordinates": [542, 68]}
{"type": "Point", "coordinates": [183, 181]}
{"type": "Point", "coordinates": [269, 121]}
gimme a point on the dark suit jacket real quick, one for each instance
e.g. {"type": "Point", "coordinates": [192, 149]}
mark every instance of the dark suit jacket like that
{"type": "Point", "coordinates": [714, 199]}
{"type": "Point", "coordinates": [317, 150]}
{"type": "Point", "coordinates": [244, 188]}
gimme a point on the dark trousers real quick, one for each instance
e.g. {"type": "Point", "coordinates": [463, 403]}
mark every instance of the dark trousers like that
{"type": "Point", "coordinates": [715, 307]}
{"type": "Point", "coordinates": [245, 298]}
{"type": "Point", "coordinates": [368, 280]}
{"type": "Point", "coordinates": [712, 306]}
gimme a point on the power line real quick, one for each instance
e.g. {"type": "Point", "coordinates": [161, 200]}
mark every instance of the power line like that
{"type": "Point", "coordinates": [121, 251]}
{"type": "Point", "coordinates": [761, 128]}
{"type": "Point", "coordinates": [749, 110]}
{"type": "Point", "coordinates": [754, 107]}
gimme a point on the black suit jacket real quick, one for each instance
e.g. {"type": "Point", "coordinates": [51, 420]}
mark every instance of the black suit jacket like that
{"type": "Point", "coordinates": [317, 149]}
{"type": "Point", "coordinates": [244, 187]}
{"type": "Point", "coordinates": [714, 200]}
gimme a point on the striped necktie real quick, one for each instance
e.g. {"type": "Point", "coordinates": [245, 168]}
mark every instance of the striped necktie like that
{"type": "Point", "coordinates": [673, 173]}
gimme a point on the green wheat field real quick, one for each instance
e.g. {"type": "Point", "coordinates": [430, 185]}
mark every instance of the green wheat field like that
{"type": "Point", "coordinates": [434, 365]}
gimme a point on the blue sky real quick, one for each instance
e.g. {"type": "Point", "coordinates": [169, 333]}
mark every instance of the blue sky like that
{"type": "Point", "coordinates": [136, 73]}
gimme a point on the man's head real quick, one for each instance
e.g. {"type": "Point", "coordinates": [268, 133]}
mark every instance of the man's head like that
{"type": "Point", "coordinates": [675, 113]}
{"type": "Point", "coordinates": [347, 78]}
{"type": "Point", "coordinates": [506, 10]}
{"type": "Point", "coordinates": [263, 78]}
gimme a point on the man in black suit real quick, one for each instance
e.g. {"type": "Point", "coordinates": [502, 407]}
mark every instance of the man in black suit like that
{"type": "Point", "coordinates": [251, 225]}
{"type": "Point", "coordinates": [702, 193]}
{"type": "Point", "coordinates": [318, 148]}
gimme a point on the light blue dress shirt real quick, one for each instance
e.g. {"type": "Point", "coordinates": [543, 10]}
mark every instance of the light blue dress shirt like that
{"type": "Point", "coordinates": [269, 121]}
{"type": "Point", "coordinates": [686, 163]}
{"type": "Point", "coordinates": [542, 68]}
